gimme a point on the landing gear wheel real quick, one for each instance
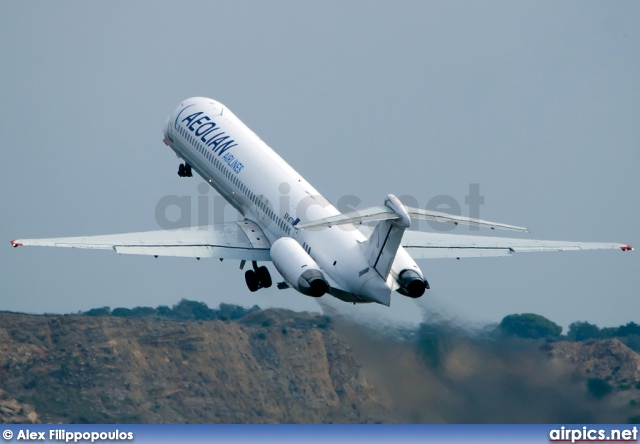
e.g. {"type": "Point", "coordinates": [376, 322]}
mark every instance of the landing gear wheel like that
{"type": "Point", "coordinates": [184, 170]}
{"type": "Point", "coordinates": [252, 280]}
{"type": "Point", "coordinates": [264, 277]}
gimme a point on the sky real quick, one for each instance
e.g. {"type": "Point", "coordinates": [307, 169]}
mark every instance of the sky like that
{"type": "Point", "coordinates": [538, 103]}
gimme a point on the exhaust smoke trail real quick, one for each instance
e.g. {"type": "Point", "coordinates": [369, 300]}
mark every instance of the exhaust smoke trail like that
{"type": "Point", "coordinates": [443, 372]}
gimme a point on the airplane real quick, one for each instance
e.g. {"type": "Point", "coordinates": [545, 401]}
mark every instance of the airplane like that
{"type": "Point", "coordinates": [316, 249]}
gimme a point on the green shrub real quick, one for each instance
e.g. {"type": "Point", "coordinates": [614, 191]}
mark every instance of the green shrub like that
{"type": "Point", "coordinates": [185, 310]}
{"type": "Point", "coordinates": [121, 312]}
{"type": "Point", "coordinates": [230, 312]}
{"type": "Point", "coordinates": [630, 329]}
{"type": "Point", "coordinates": [579, 331]}
{"type": "Point", "coordinates": [143, 312]}
{"type": "Point", "coordinates": [631, 341]}
{"type": "Point", "coordinates": [163, 311]}
{"type": "Point", "coordinates": [529, 325]}
{"type": "Point", "coordinates": [103, 311]}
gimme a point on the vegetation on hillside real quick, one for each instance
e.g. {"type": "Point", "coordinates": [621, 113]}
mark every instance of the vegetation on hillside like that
{"type": "Point", "coordinates": [529, 325]}
{"type": "Point", "coordinates": [526, 325]}
{"type": "Point", "coordinates": [185, 310]}
{"type": "Point", "coordinates": [532, 326]}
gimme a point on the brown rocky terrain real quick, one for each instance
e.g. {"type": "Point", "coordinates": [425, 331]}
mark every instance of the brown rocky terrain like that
{"type": "Point", "coordinates": [272, 366]}
{"type": "Point", "coordinates": [607, 359]}
{"type": "Point", "coordinates": [277, 366]}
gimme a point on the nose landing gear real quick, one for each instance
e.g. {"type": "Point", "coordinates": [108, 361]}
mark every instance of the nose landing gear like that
{"type": "Point", "coordinates": [257, 278]}
{"type": "Point", "coordinates": [184, 170]}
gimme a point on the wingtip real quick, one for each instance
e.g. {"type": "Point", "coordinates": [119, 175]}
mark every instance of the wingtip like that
{"type": "Point", "coordinates": [15, 244]}
{"type": "Point", "coordinates": [626, 248]}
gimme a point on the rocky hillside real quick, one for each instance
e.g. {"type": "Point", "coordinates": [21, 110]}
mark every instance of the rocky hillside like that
{"type": "Point", "coordinates": [608, 359]}
{"type": "Point", "coordinates": [272, 366]}
{"type": "Point", "coordinates": [277, 366]}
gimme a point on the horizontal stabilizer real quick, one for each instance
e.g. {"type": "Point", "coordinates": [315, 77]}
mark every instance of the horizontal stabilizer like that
{"type": "Point", "coordinates": [444, 217]}
{"type": "Point", "coordinates": [383, 212]}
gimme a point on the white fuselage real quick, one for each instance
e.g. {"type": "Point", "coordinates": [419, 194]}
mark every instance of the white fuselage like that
{"type": "Point", "coordinates": [266, 190]}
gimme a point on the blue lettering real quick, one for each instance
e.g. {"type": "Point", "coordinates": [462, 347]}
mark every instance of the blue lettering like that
{"type": "Point", "coordinates": [201, 132]}
{"type": "Point", "coordinates": [175, 123]}
{"type": "Point", "coordinates": [236, 165]}
{"type": "Point", "coordinates": [199, 121]}
{"type": "Point", "coordinates": [213, 138]}
{"type": "Point", "coordinates": [207, 132]}
{"type": "Point", "coordinates": [233, 163]}
{"type": "Point", "coordinates": [226, 146]}
{"type": "Point", "coordinates": [191, 118]}
{"type": "Point", "coordinates": [219, 142]}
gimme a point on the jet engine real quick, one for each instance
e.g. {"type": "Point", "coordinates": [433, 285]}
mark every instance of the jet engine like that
{"type": "Point", "coordinates": [412, 284]}
{"type": "Point", "coordinates": [298, 268]}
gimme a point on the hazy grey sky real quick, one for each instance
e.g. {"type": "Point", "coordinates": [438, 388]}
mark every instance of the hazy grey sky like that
{"type": "Point", "coordinates": [538, 102]}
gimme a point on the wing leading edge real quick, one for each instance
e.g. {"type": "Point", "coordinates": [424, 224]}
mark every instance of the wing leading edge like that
{"type": "Point", "coordinates": [424, 245]}
{"type": "Point", "coordinates": [242, 240]}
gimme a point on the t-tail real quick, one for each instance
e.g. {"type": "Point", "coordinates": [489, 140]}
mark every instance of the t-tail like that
{"type": "Point", "coordinates": [382, 247]}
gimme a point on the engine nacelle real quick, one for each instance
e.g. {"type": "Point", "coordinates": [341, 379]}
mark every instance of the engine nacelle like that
{"type": "Point", "coordinates": [298, 268]}
{"type": "Point", "coordinates": [412, 284]}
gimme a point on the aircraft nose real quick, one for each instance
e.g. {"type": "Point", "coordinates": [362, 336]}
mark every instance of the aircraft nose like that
{"type": "Point", "coordinates": [166, 131]}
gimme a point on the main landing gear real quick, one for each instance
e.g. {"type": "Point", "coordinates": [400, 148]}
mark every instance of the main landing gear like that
{"type": "Point", "coordinates": [257, 278]}
{"type": "Point", "coordinates": [184, 170]}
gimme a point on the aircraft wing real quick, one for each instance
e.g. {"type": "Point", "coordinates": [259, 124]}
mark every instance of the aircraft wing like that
{"type": "Point", "coordinates": [424, 245]}
{"type": "Point", "coordinates": [242, 240]}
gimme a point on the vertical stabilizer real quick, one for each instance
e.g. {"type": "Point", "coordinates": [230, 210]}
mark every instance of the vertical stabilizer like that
{"type": "Point", "coordinates": [382, 246]}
